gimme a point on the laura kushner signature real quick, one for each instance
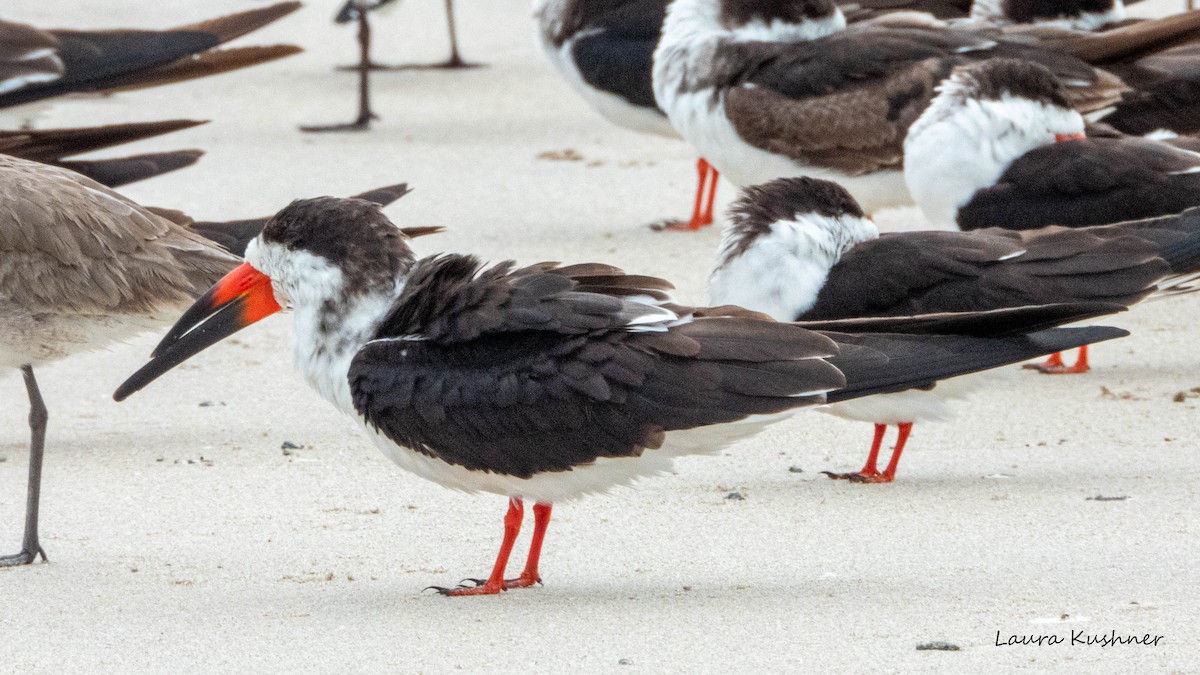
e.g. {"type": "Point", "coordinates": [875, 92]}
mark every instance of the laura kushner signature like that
{"type": "Point", "coordinates": [1078, 638]}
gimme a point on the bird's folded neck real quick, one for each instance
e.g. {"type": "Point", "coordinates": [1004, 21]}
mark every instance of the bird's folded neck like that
{"type": "Point", "coordinates": [328, 333]}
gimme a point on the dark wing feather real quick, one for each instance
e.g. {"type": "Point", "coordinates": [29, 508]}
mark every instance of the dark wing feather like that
{"type": "Point", "coordinates": [100, 60]}
{"type": "Point", "coordinates": [874, 364]}
{"type": "Point", "coordinates": [235, 235]}
{"type": "Point", "coordinates": [792, 98]}
{"type": "Point", "coordinates": [50, 145]}
{"type": "Point", "coordinates": [932, 272]}
{"type": "Point", "coordinates": [517, 371]}
{"type": "Point", "coordinates": [986, 323]}
{"type": "Point", "coordinates": [614, 52]}
{"type": "Point", "coordinates": [124, 170]}
{"type": "Point", "coordinates": [1087, 182]}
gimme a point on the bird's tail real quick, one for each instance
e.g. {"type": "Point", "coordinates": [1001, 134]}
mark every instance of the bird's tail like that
{"type": "Point", "coordinates": [51, 146]}
{"type": "Point", "coordinates": [888, 363]}
{"type": "Point", "coordinates": [124, 170]}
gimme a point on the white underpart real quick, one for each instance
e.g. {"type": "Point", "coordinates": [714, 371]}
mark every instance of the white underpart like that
{"type": "Point", "coordinates": [691, 35]}
{"type": "Point", "coordinates": [323, 359]}
{"type": "Point", "coordinates": [992, 12]}
{"type": "Point", "coordinates": [961, 145]}
{"type": "Point", "coordinates": [913, 405]}
{"type": "Point", "coordinates": [781, 273]}
{"type": "Point", "coordinates": [611, 107]}
{"type": "Point", "coordinates": [28, 338]}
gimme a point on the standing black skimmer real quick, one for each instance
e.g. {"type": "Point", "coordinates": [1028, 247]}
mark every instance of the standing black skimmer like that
{"type": "Point", "coordinates": [53, 146]}
{"type": "Point", "coordinates": [84, 268]}
{"type": "Point", "coordinates": [801, 249]}
{"type": "Point", "coordinates": [1000, 146]}
{"type": "Point", "coordinates": [36, 64]}
{"type": "Point", "coordinates": [605, 51]}
{"type": "Point", "coordinates": [765, 90]}
{"type": "Point", "coordinates": [359, 11]}
{"type": "Point", "coordinates": [545, 382]}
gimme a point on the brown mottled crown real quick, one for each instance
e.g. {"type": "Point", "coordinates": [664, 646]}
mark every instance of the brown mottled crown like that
{"type": "Point", "coordinates": [785, 198]}
{"type": "Point", "coordinates": [736, 13]}
{"type": "Point", "coordinates": [1028, 11]}
{"type": "Point", "coordinates": [991, 80]}
{"type": "Point", "coordinates": [350, 233]}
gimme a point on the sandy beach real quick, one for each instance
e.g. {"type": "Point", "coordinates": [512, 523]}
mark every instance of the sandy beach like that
{"type": "Point", "coordinates": [182, 537]}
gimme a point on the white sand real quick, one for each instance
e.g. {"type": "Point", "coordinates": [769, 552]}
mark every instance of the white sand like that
{"type": "Point", "coordinates": [181, 538]}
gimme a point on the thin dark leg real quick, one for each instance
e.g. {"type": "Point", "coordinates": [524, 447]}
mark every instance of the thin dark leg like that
{"type": "Point", "coordinates": [455, 60]}
{"type": "Point", "coordinates": [38, 416]}
{"type": "Point", "coordinates": [364, 84]}
{"type": "Point", "coordinates": [495, 582]}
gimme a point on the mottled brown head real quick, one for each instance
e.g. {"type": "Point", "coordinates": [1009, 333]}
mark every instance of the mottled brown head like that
{"type": "Point", "coordinates": [992, 80]}
{"type": "Point", "coordinates": [735, 13]}
{"type": "Point", "coordinates": [786, 198]}
{"type": "Point", "coordinates": [352, 234]}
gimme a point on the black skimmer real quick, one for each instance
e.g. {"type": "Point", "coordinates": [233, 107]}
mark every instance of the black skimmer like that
{"type": "Point", "coordinates": [359, 11]}
{"type": "Point", "coordinates": [801, 249]}
{"type": "Point", "coordinates": [36, 64]}
{"type": "Point", "coordinates": [1000, 146]}
{"type": "Point", "coordinates": [544, 382]}
{"type": "Point", "coordinates": [605, 51]}
{"type": "Point", "coordinates": [765, 90]}
{"type": "Point", "coordinates": [85, 268]}
{"type": "Point", "coordinates": [54, 146]}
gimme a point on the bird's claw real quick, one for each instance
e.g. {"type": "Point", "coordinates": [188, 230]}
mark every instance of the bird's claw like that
{"type": "Point", "coordinates": [25, 557]}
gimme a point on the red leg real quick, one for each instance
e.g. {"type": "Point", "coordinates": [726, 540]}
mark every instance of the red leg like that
{"type": "Point", "coordinates": [495, 582]}
{"type": "Point", "coordinates": [869, 469]}
{"type": "Point", "coordinates": [530, 576]}
{"type": "Point", "coordinates": [889, 474]}
{"type": "Point", "coordinates": [1055, 365]}
{"type": "Point", "coordinates": [699, 208]}
{"type": "Point", "coordinates": [707, 217]}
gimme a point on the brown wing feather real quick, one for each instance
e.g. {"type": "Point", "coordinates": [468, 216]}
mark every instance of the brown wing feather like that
{"type": "Point", "coordinates": [69, 244]}
{"type": "Point", "coordinates": [818, 131]}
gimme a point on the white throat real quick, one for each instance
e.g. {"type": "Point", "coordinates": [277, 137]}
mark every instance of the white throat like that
{"type": "Point", "coordinates": [329, 325]}
{"type": "Point", "coordinates": [781, 272]}
{"type": "Point", "coordinates": [961, 145]}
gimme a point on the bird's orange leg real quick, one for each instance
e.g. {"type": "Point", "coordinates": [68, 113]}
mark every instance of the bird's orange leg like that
{"type": "Point", "coordinates": [706, 218]}
{"type": "Point", "coordinates": [1055, 365]}
{"type": "Point", "coordinates": [495, 582]}
{"type": "Point", "coordinates": [702, 208]}
{"type": "Point", "coordinates": [889, 474]}
{"type": "Point", "coordinates": [530, 576]}
{"type": "Point", "coordinates": [869, 469]}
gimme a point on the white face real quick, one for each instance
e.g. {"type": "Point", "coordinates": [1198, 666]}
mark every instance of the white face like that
{"type": "Point", "coordinates": [781, 272]}
{"type": "Point", "coordinates": [961, 145]}
{"type": "Point", "coordinates": [297, 277]}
